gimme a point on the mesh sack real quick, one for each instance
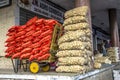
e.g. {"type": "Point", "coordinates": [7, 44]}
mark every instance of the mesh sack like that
{"type": "Point", "coordinates": [72, 68]}
{"type": "Point", "coordinates": [75, 19]}
{"type": "Point", "coordinates": [71, 53]}
{"type": "Point", "coordinates": [69, 36]}
{"type": "Point", "coordinates": [103, 60]}
{"type": "Point", "coordinates": [97, 65]}
{"type": "Point", "coordinates": [73, 60]}
{"type": "Point", "coordinates": [77, 11]}
{"type": "Point", "coordinates": [76, 26]}
{"type": "Point", "coordinates": [74, 45]}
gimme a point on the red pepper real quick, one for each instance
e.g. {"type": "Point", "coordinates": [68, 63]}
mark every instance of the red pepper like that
{"type": "Point", "coordinates": [29, 43]}
{"type": "Point", "coordinates": [30, 33]}
{"type": "Point", "coordinates": [37, 33]}
{"type": "Point", "coordinates": [45, 39]}
{"type": "Point", "coordinates": [11, 48]}
{"type": "Point", "coordinates": [18, 44]}
{"type": "Point", "coordinates": [18, 49]}
{"type": "Point", "coordinates": [36, 50]}
{"type": "Point", "coordinates": [40, 21]}
{"type": "Point", "coordinates": [31, 58]}
{"type": "Point", "coordinates": [20, 28]}
{"type": "Point", "coordinates": [22, 37]}
{"type": "Point", "coordinates": [36, 45]}
{"type": "Point", "coordinates": [48, 32]}
{"type": "Point", "coordinates": [10, 44]}
{"type": "Point", "coordinates": [28, 39]}
{"type": "Point", "coordinates": [39, 54]}
{"type": "Point", "coordinates": [26, 50]}
{"type": "Point", "coordinates": [32, 53]}
{"type": "Point", "coordinates": [13, 29]}
{"type": "Point", "coordinates": [42, 52]}
{"type": "Point", "coordinates": [8, 55]}
{"type": "Point", "coordinates": [11, 33]}
{"type": "Point", "coordinates": [38, 28]}
{"type": "Point", "coordinates": [36, 40]}
{"type": "Point", "coordinates": [45, 45]}
{"type": "Point", "coordinates": [32, 27]}
{"type": "Point", "coordinates": [16, 55]}
{"type": "Point", "coordinates": [23, 26]}
{"type": "Point", "coordinates": [46, 49]}
{"type": "Point", "coordinates": [44, 29]}
{"type": "Point", "coordinates": [20, 33]}
{"type": "Point", "coordinates": [44, 57]}
{"type": "Point", "coordinates": [11, 38]}
{"type": "Point", "coordinates": [50, 22]}
{"type": "Point", "coordinates": [49, 27]}
{"type": "Point", "coordinates": [25, 56]}
{"type": "Point", "coordinates": [31, 21]}
{"type": "Point", "coordinates": [18, 39]}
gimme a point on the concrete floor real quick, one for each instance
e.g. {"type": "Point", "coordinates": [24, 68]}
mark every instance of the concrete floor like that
{"type": "Point", "coordinates": [102, 74]}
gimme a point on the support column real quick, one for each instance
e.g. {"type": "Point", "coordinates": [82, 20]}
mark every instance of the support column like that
{"type": "Point", "coordinates": [79, 3]}
{"type": "Point", "coordinates": [113, 28]}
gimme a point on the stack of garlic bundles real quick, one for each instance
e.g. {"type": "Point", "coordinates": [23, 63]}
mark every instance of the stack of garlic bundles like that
{"type": "Point", "coordinates": [99, 60]}
{"type": "Point", "coordinates": [75, 49]}
{"type": "Point", "coordinates": [113, 53]}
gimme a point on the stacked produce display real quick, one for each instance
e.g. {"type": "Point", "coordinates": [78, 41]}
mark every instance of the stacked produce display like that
{"type": "Point", "coordinates": [113, 54]}
{"type": "Point", "coordinates": [75, 46]}
{"type": "Point", "coordinates": [30, 41]}
{"type": "Point", "coordinates": [100, 59]}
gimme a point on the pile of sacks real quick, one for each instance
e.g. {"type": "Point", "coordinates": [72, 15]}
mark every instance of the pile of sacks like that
{"type": "Point", "coordinates": [30, 41]}
{"type": "Point", "coordinates": [99, 59]}
{"type": "Point", "coordinates": [75, 46]}
{"type": "Point", "coordinates": [113, 54]}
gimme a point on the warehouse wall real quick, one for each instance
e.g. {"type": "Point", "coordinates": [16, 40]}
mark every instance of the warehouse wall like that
{"type": "Point", "coordinates": [7, 19]}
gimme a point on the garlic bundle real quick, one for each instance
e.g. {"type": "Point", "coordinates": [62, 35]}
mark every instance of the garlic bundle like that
{"type": "Point", "coordinates": [113, 53]}
{"type": "Point", "coordinates": [103, 60]}
{"type": "Point", "coordinates": [89, 52]}
{"type": "Point", "coordinates": [68, 36]}
{"type": "Point", "coordinates": [73, 60]}
{"type": "Point", "coordinates": [70, 53]}
{"type": "Point", "coordinates": [74, 45]}
{"type": "Point", "coordinates": [73, 20]}
{"type": "Point", "coordinates": [77, 26]}
{"type": "Point", "coordinates": [73, 68]}
{"type": "Point", "coordinates": [80, 11]}
{"type": "Point", "coordinates": [98, 55]}
{"type": "Point", "coordinates": [100, 59]}
{"type": "Point", "coordinates": [74, 53]}
{"type": "Point", "coordinates": [97, 65]}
